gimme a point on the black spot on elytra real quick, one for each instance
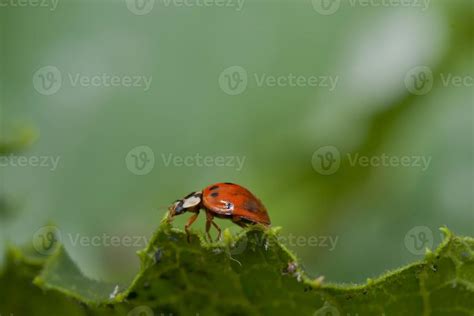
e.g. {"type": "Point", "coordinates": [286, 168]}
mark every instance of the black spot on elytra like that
{"type": "Point", "coordinates": [251, 206]}
{"type": "Point", "coordinates": [229, 183]}
{"type": "Point", "coordinates": [214, 187]}
{"type": "Point", "coordinates": [132, 295]}
{"type": "Point", "coordinates": [215, 194]}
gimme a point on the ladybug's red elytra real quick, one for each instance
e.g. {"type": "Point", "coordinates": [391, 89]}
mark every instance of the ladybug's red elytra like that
{"type": "Point", "coordinates": [222, 200]}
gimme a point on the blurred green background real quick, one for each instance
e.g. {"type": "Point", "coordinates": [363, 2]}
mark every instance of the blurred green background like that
{"type": "Point", "coordinates": [377, 57]}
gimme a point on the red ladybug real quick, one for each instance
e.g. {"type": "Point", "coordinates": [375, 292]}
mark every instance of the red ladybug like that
{"type": "Point", "coordinates": [222, 200]}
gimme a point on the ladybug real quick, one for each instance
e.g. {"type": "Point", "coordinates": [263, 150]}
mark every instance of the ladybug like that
{"type": "Point", "coordinates": [222, 200]}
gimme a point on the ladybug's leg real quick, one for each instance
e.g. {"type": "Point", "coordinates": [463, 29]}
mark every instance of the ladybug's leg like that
{"type": "Point", "coordinates": [209, 221]}
{"type": "Point", "coordinates": [218, 229]}
{"type": "Point", "coordinates": [209, 218]}
{"type": "Point", "coordinates": [237, 221]}
{"type": "Point", "coordinates": [191, 220]}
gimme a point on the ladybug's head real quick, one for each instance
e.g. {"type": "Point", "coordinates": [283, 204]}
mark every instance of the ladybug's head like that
{"type": "Point", "coordinates": [191, 203]}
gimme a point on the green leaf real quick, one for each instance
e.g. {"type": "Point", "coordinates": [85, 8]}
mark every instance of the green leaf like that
{"type": "Point", "coordinates": [24, 138]}
{"type": "Point", "coordinates": [251, 274]}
